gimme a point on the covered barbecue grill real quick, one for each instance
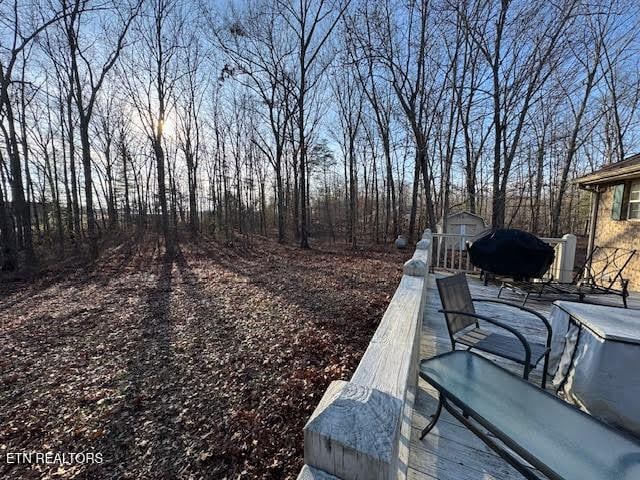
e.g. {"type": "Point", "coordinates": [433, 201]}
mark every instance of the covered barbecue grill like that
{"type": "Point", "coordinates": [511, 253]}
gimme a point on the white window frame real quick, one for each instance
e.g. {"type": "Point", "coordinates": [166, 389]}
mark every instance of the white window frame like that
{"type": "Point", "coordinates": [634, 188]}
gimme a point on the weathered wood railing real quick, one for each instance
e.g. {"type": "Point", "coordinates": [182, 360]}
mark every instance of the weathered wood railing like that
{"type": "Point", "coordinates": [449, 253]}
{"type": "Point", "coordinates": [361, 428]}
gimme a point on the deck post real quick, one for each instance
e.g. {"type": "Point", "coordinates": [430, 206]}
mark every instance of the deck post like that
{"type": "Point", "coordinates": [351, 432]}
{"type": "Point", "coordinates": [567, 254]}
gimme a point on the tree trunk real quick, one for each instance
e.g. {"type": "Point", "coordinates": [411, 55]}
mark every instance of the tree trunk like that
{"type": "Point", "coordinates": [23, 214]}
{"type": "Point", "coordinates": [280, 195]}
{"type": "Point", "coordinates": [431, 216]}
{"type": "Point", "coordinates": [391, 203]}
{"type": "Point", "coordinates": [296, 199]}
{"type": "Point", "coordinates": [7, 253]}
{"type": "Point", "coordinates": [535, 221]}
{"type": "Point", "coordinates": [162, 192]}
{"type": "Point", "coordinates": [353, 194]}
{"type": "Point", "coordinates": [65, 172]}
{"type": "Point", "coordinates": [72, 168]}
{"type": "Point", "coordinates": [125, 174]}
{"type": "Point", "coordinates": [92, 230]}
{"type": "Point", "coordinates": [414, 200]}
{"type": "Point", "coordinates": [192, 181]}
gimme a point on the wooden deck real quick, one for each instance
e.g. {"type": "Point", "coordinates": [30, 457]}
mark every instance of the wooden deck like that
{"type": "Point", "coordinates": [450, 451]}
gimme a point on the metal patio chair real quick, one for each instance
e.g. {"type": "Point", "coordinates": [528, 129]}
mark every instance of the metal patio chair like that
{"type": "Point", "coordinates": [600, 274]}
{"type": "Point", "coordinates": [464, 327]}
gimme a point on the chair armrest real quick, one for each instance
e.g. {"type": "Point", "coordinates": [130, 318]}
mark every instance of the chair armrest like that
{"type": "Point", "coordinates": [516, 333]}
{"type": "Point", "coordinates": [524, 309]}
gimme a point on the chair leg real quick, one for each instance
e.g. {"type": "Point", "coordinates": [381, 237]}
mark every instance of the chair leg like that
{"type": "Point", "coordinates": [434, 418]}
{"type": "Point", "coordinates": [545, 368]}
{"type": "Point", "coordinates": [500, 291]}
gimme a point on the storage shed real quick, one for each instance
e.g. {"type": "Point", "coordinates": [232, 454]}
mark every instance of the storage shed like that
{"type": "Point", "coordinates": [463, 223]}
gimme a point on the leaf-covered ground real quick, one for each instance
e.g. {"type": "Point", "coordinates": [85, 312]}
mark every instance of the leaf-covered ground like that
{"type": "Point", "coordinates": [206, 365]}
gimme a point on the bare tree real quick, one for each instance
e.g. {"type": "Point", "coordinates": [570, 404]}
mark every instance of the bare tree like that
{"type": "Point", "coordinates": [260, 56]}
{"type": "Point", "coordinates": [521, 59]}
{"type": "Point", "coordinates": [20, 30]}
{"type": "Point", "coordinates": [588, 53]}
{"type": "Point", "coordinates": [349, 99]}
{"type": "Point", "coordinates": [189, 109]}
{"type": "Point", "coordinates": [87, 80]}
{"type": "Point", "coordinates": [151, 74]}
{"type": "Point", "coordinates": [379, 95]}
{"type": "Point", "coordinates": [312, 22]}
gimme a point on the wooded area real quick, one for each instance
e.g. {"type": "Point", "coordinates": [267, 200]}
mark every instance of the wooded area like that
{"type": "Point", "coordinates": [198, 200]}
{"type": "Point", "coordinates": [343, 119]}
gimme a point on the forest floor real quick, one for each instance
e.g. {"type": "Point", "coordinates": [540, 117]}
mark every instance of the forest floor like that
{"type": "Point", "coordinates": [205, 365]}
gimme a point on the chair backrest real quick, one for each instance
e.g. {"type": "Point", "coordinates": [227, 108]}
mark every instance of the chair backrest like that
{"type": "Point", "coordinates": [455, 295]}
{"type": "Point", "coordinates": [604, 266]}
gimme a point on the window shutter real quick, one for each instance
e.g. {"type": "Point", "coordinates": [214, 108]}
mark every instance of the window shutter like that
{"type": "Point", "coordinates": [618, 197]}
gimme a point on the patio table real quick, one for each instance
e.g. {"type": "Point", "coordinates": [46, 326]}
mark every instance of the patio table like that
{"type": "Point", "coordinates": [595, 354]}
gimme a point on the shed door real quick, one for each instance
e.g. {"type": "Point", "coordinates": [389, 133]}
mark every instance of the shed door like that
{"type": "Point", "coordinates": [463, 231]}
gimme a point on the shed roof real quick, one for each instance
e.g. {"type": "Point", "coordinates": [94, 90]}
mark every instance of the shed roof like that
{"type": "Point", "coordinates": [457, 214]}
{"type": "Point", "coordinates": [623, 170]}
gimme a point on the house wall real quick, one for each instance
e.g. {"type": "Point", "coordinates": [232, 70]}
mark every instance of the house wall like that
{"type": "Point", "coordinates": [621, 234]}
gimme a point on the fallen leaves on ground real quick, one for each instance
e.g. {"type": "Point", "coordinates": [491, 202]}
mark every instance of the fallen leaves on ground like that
{"type": "Point", "coordinates": [205, 365]}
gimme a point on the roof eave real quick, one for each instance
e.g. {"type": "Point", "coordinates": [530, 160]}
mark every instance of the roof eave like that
{"type": "Point", "coordinates": [607, 177]}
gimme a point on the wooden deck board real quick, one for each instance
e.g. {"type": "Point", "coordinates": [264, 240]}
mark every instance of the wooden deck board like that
{"type": "Point", "coordinates": [451, 451]}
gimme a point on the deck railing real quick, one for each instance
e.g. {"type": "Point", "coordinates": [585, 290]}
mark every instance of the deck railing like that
{"type": "Point", "coordinates": [449, 253]}
{"type": "Point", "coordinates": [361, 428]}
{"type": "Point", "coordinates": [561, 269]}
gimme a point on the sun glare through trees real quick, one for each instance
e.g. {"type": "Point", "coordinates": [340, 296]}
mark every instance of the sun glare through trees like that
{"type": "Point", "coordinates": [199, 200]}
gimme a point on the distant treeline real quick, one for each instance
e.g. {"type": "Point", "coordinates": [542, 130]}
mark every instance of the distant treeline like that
{"type": "Point", "coordinates": [354, 120]}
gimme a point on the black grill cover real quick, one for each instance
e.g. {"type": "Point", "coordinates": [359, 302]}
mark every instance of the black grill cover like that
{"type": "Point", "coordinates": [512, 253]}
